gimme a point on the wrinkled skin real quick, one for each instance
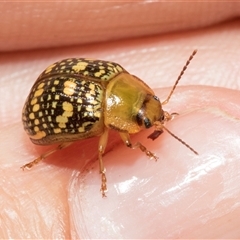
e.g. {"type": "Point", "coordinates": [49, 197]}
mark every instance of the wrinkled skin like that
{"type": "Point", "coordinates": [179, 196]}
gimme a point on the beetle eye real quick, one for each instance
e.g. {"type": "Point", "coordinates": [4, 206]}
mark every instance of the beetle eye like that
{"type": "Point", "coordinates": [156, 98]}
{"type": "Point", "coordinates": [147, 123]}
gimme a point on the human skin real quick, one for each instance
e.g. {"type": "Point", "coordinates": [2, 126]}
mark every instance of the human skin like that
{"type": "Point", "coordinates": [182, 195]}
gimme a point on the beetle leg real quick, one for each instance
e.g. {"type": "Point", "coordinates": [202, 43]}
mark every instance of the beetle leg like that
{"type": "Point", "coordinates": [126, 139]}
{"type": "Point", "coordinates": [45, 155]}
{"type": "Point", "coordinates": [101, 149]}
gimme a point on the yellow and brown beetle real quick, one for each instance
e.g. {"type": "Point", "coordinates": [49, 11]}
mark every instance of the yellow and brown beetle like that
{"type": "Point", "coordinates": [79, 98]}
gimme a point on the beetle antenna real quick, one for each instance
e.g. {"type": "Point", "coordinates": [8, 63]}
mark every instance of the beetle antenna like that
{"type": "Point", "coordinates": [180, 140]}
{"type": "Point", "coordinates": [159, 130]}
{"type": "Point", "coordinates": [179, 77]}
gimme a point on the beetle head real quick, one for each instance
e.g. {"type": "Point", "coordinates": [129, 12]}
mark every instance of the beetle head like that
{"type": "Point", "coordinates": [150, 112]}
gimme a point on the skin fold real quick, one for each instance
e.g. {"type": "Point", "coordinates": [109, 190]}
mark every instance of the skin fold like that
{"type": "Point", "coordinates": [182, 195]}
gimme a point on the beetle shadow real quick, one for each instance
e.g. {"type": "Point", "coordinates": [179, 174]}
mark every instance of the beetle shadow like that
{"type": "Point", "coordinates": [78, 154]}
{"type": "Point", "coordinates": [84, 153]}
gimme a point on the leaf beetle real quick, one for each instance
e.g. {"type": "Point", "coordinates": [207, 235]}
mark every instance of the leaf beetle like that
{"type": "Point", "coordinates": [79, 98]}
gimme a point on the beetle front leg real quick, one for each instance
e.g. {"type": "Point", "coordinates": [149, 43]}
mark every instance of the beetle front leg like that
{"type": "Point", "coordinates": [126, 139]}
{"type": "Point", "coordinates": [101, 150]}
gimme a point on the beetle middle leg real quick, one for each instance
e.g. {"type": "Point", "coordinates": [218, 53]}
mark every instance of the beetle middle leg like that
{"type": "Point", "coordinates": [126, 139]}
{"type": "Point", "coordinates": [101, 150]}
{"type": "Point", "coordinates": [45, 155]}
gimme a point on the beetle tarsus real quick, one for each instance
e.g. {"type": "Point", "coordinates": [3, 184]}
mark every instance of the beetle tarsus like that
{"type": "Point", "coordinates": [46, 154]}
{"type": "Point", "coordinates": [104, 185]}
{"type": "Point", "coordinates": [144, 149]}
{"type": "Point", "coordinates": [31, 164]}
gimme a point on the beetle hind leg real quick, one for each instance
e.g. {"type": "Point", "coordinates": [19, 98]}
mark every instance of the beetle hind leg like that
{"type": "Point", "coordinates": [45, 155]}
{"type": "Point", "coordinates": [126, 139]}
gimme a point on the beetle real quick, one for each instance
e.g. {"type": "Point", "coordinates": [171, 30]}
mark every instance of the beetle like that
{"type": "Point", "coordinates": [79, 98]}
